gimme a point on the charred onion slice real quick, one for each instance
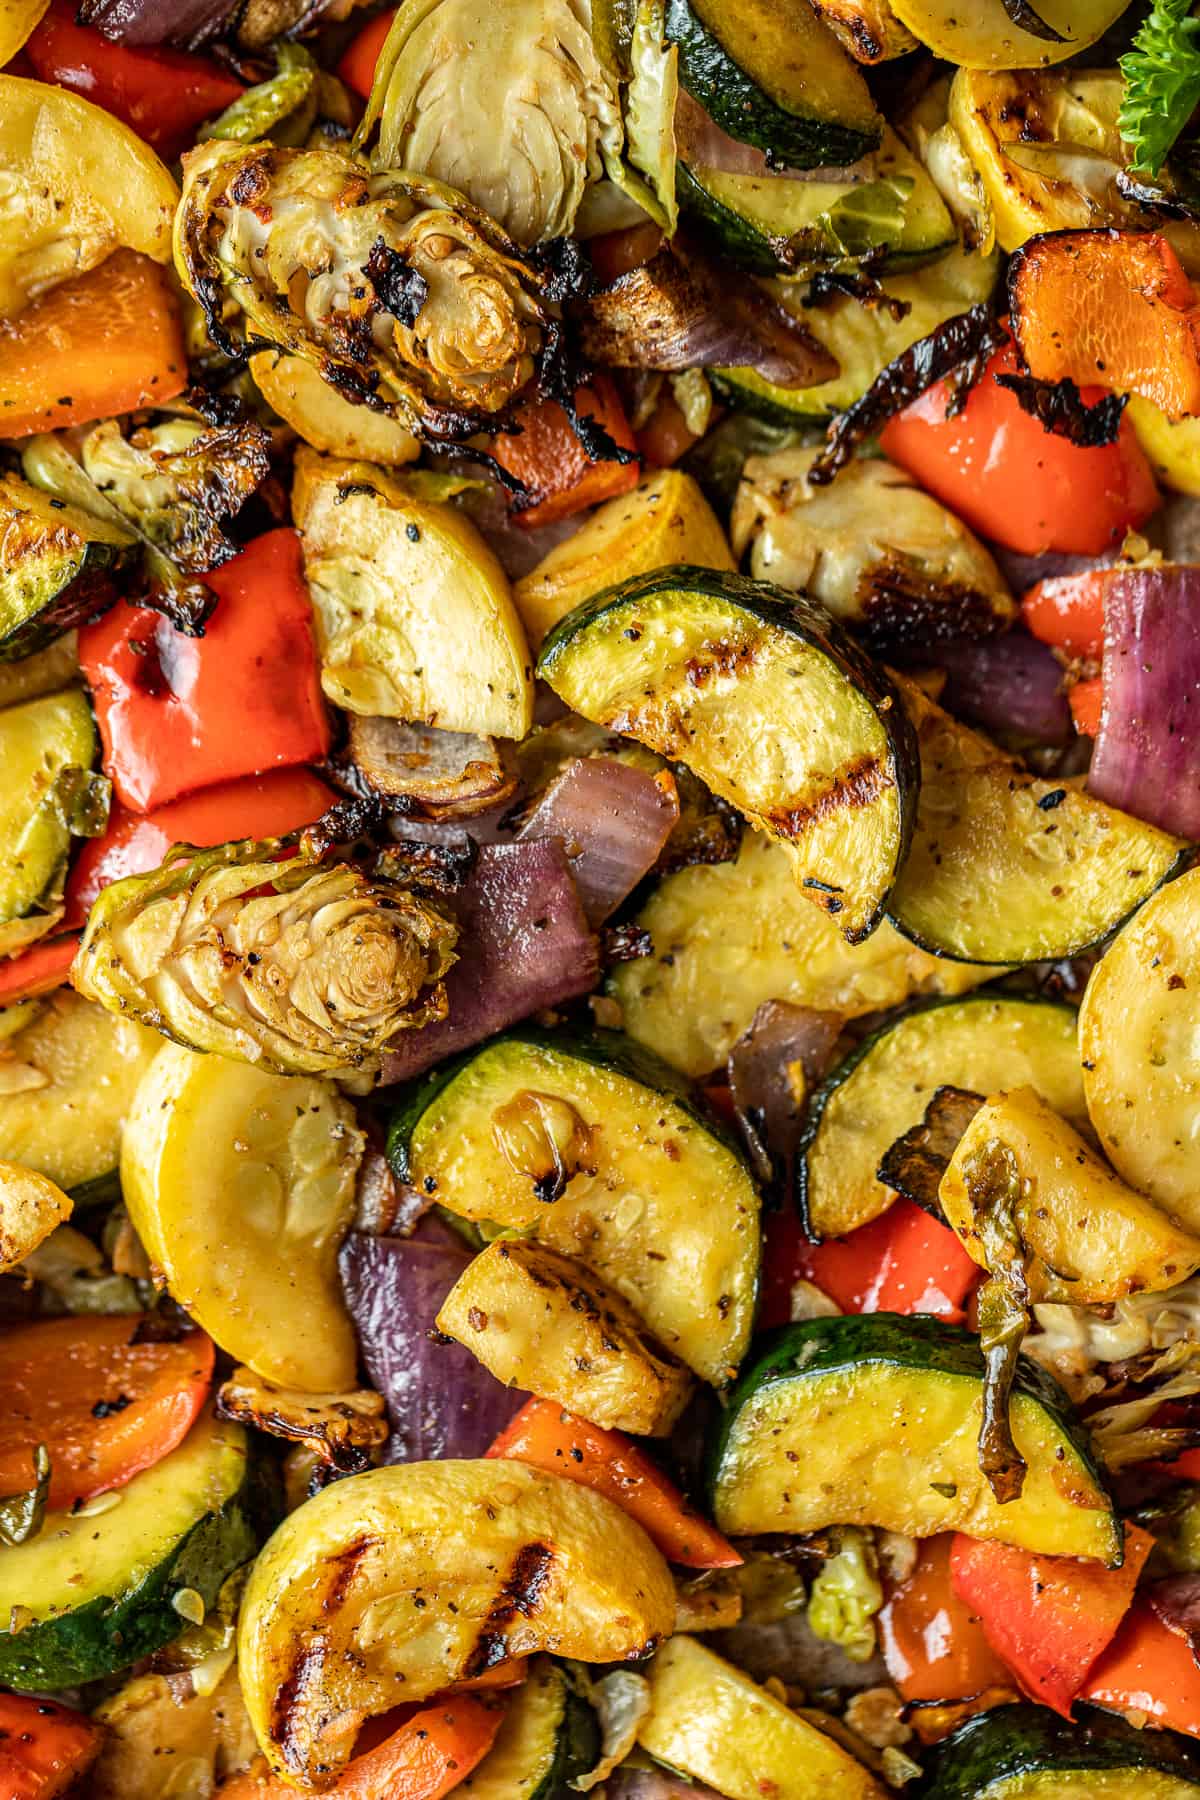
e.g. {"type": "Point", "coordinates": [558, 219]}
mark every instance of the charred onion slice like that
{"type": "Point", "coordinates": [395, 1584]}
{"type": "Point", "coordinates": [761, 694]}
{"type": "Point", "coordinates": [442, 774]}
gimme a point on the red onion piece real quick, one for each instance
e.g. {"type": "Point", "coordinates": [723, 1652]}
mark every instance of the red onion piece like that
{"type": "Point", "coordinates": [186, 23]}
{"type": "Point", "coordinates": [1176, 1601]}
{"type": "Point", "coordinates": [440, 1400]}
{"type": "Point", "coordinates": [779, 1033]}
{"type": "Point", "coordinates": [1009, 685]}
{"type": "Point", "coordinates": [525, 944]}
{"type": "Point", "coordinates": [655, 1784]}
{"type": "Point", "coordinates": [1147, 755]}
{"type": "Point", "coordinates": [613, 821]}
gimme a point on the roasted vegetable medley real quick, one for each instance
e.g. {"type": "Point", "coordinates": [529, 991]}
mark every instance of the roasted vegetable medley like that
{"type": "Point", "coordinates": [599, 899]}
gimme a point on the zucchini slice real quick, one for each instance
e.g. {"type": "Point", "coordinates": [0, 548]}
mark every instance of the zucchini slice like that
{"type": "Point", "coordinates": [764, 697]}
{"type": "Point", "coordinates": [985, 1042]}
{"type": "Point", "coordinates": [665, 519]}
{"type": "Point", "coordinates": [1086, 1239]}
{"type": "Point", "coordinates": [712, 1723]}
{"type": "Point", "coordinates": [1025, 1752]}
{"type": "Point", "coordinates": [94, 1591]}
{"type": "Point", "coordinates": [727, 938]}
{"type": "Point", "coordinates": [1139, 1027]}
{"type": "Point", "coordinates": [240, 1184]}
{"type": "Point", "coordinates": [414, 614]}
{"type": "Point", "coordinates": [67, 1082]}
{"type": "Point", "coordinates": [602, 1151]}
{"type": "Point", "coordinates": [54, 563]}
{"type": "Point", "coordinates": [774, 225]}
{"type": "Point", "coordinates": [983, 36]}
{"type": "Point", "coordinates": [874, 1420]}
{"type": "Point", "coordinates": [548, 1739]}
{"type": "Point", "coordinates": [864, 339]}
{"type": "Point", "coordinates": [536, 1320]}
{"type": "Point", "coordinates": [404, 1580]}
{"type": "Point", "coordinates": [770, 74]}
{"type": "Point", "coordinates": [1006, 868]}
{"type": "Point", "coordinates": [45, 747]}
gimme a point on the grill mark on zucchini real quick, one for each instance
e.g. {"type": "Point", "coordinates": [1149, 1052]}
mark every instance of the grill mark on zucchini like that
{"type": "Point", "coordinates": [519, 1597]}
{"type": "Point", "coordinates": [861, 785]}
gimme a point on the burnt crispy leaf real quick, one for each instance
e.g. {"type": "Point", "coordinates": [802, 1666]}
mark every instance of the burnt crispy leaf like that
{"type": "Point", "coordinates": [915, 1163]}
{"type": "Point", "coordinates": [1059, 407]}
{"type": "Point", "coordinates": [962, 344]}
{"type": "Point", "coordinates": [1027, 19]}
{"type": "Point", "coordinates": [342, 1428]}
{"type": "Point", "coordinates": [828, 285]}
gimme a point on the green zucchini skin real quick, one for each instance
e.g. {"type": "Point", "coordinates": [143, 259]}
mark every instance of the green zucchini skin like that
{"type": "Point", "coordinates": [739, 106]}
{"type": "Point", "coordinates": [742, 242]}
{"type": "Point", "coordinates": [111, 1633]}
{"type": "Point", "coordinates": [916, 1342]}
{"type": "Point", "coordinates": [577, 1750]}
{"type": "Point", "coordinates": [792, 614]}
{"type": "Point", "coordinates": [1011, 1741]}
{"type": "Point", "coordinates": [606, 1049]}
{"type": "Point", "coordinates": [838, 1076]}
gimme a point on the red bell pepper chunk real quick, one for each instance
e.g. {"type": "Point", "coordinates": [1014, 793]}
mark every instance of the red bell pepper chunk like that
{"type": "Point", "coordinates": [261, 806]}
{"type": "Point", "coordinates": [1110, 307]}
{"type": "Point", "coordinates": [178, 713]}
{"type": "Point", "coordinates": [357, 67]}
{"type": "Point", "coordinates": [44, 1748]}
{"type": "Point", "coordinates": [1067, 612]}
{"type": "Point", "coordinates": [932, 1641]}
{"type": "Point", "coordinates": [1048, 1617]}
{"type": "Point", "coordinates": [1014, 482]}
{"type": "Point", "coordinates": [554, 466]}
{"type": "Point", "coordinates": [546, 1437]}
{"type": "Point", "coordinates": [162, 94]}
{"type": "Point", "coordinates": [1086, 700]}
{"type": "Point", "coordinates": [903, 1262]}
{"type": "Point", "coordinates": [1148, 1669]}
{"type": "Point", "coordinates": [38, 970]}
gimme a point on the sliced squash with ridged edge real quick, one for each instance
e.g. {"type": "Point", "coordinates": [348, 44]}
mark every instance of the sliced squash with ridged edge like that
{"type": "Point", "coordinates": [1139, 1039]}
{"type": "Point", "coordinates": [94, 1591]}
{"type": "Point", "coordinates": [728, 938]}
{"type": "Point", "coordinates": [764, 697]}
{"type": "Point", "coordinates": [719, 1727]}
{"type": "Point", "coordinates": [1087, 1239]}
{"type": "Point", "coordinates": [983, 1042]}
{"type": "Point", "coordinates": [594, 1145]}
{"type": "Point", "coordinates": [1008, 868]}
{"type": "Point", "coordinates": [771, 75]}
{"type": "Point", "coordinates": [397, 1583]}
{"type": "Point", "coordinates": [874, 1420]}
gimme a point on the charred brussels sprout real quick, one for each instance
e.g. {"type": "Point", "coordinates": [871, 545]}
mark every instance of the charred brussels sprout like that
{"type": "Point", "coordinates": [404, 296]}
{"type": "Point", "coordinates": [299, 966]}
{"type": "Point", "coordinates": [457, 77]}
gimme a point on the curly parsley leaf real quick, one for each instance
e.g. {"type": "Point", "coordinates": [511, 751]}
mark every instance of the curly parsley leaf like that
{"type": "Point", "coordinates": [1162, 83]}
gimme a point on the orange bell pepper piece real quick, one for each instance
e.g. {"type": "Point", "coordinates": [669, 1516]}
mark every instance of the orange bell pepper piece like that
{"type": "Point", "coordinates": [1148, 1669]}
{"type": "Point", "coordinates": [44, 1747]}
{"type": "Point", "coordinates": [105, 342]}
{"type": "Point", "coordinates": [932, 1641]}
{"type": "Point", "coordinates": [38, 970]}
{"type": "Point", "coordinates": [1086, 700]}
{"type": "Point", "coordinates": [1048, 1617]}
{"type": "Point", "coordinates": [554, 466]}
{"type": "Point", "coordinates": [1112, 308]}
{"type": "Point", "coordinates": [545, 1436]}
{"type": "Point", "coordinates": [430, 1754]}
{"type": "Point", "coordinates": [357, 67]}
{"type": "Point", "coordinates": [105, 1406]}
